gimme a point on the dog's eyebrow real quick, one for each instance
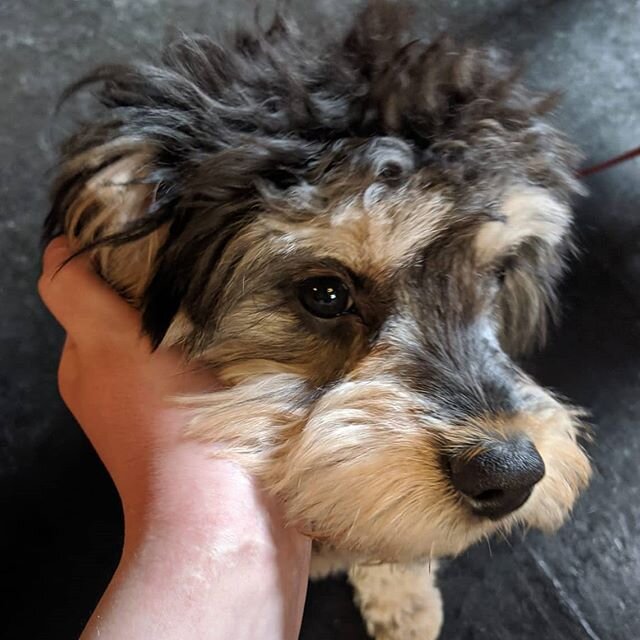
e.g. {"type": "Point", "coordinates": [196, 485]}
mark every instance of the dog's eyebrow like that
{"type": "Point", "coordinates": [307, 264]}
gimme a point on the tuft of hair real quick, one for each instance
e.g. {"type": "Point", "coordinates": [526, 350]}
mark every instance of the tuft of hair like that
{"type": "Point", "coordinates": [187, 150]}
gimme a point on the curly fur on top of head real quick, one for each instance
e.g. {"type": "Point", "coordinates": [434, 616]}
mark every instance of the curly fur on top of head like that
{"type": "Point", "coordinates": [220, 130]}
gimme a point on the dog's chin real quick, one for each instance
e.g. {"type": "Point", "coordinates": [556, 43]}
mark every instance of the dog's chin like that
{"type": "Point", "coordinates": [448, 538]}
{"type": "Point", "coordinates": [443, 541]}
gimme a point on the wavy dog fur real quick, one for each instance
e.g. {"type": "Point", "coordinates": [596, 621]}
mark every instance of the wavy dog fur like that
{"type": "Point", "coordinates": [215, 183]}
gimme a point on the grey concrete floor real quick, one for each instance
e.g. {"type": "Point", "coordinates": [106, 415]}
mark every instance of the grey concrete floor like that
{"type": "Point", "coordinates": [61, 524]}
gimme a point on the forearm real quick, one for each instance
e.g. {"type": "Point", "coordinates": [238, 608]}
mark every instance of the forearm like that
{"type": "Point", "coordinates": [165, 593]}
{"type": "Point", "coordinates": [205, 566]}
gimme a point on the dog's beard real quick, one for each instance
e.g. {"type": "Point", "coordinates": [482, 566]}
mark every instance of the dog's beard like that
{"type": "Point", "coordinates": [359, 468]}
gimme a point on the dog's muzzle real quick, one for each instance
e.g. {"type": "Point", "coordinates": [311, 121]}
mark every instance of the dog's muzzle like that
{"type": "Point", "coordinates": [499, 479]}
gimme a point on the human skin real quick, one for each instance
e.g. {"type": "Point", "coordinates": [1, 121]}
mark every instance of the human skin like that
{"type": "Point", "coordinates": [206, 554]}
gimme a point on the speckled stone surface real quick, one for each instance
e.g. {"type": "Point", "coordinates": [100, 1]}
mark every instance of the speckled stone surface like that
{"type": "Point", "coordinates": [60, 526]}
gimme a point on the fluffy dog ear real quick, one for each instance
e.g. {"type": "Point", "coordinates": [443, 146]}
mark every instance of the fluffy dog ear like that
{"type": "Point", "coordinates": [155, 231]}
{"type": "Point", "coordinates": [123, 184]}
{"type": "Point", "coordinates": [528, 297]}
{"type": "Point", "coordinates": [116, 190]}
{"type": "Point", "coordinates": [104, 202]}
{"type": "Point", "coordinates": [530, 243]}
{"type": "Point", "coordinates": [175, 168]}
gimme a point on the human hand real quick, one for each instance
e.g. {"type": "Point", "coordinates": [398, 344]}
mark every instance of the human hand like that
{"type": "Point", "coordinates": [117, 388]}
{"type": "Point", "coordinates": [179, 502]}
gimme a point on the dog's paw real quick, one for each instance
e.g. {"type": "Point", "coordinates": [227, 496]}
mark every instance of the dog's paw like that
{"type": "Point", "coordinates": [398, 602]}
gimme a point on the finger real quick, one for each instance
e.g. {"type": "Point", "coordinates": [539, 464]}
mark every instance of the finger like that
{"type": "Point", "coordinates": [79, 299]}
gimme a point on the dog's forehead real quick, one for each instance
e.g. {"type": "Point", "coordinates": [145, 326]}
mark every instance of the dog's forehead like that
{"type": "Point", "coordinates": [382, 235]}
{"type": "Point", "coordinates": [367, 234]}
{"type": "Point", "coordinates": [378, 232]}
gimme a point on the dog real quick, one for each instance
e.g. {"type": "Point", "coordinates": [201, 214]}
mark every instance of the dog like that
{"type": "Point", "coordinates": [360, 237]}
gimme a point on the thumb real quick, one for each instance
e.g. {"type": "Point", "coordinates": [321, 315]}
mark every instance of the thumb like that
{"type": "Point", "coordinates": [78, 298]}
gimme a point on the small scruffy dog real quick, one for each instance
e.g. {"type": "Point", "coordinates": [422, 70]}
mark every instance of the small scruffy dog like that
{"type": "Point", "coordinates": [359, 237]}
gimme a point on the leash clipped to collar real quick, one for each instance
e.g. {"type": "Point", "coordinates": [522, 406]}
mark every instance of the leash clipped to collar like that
{"type": "Point", "coordinates": [596, 168]}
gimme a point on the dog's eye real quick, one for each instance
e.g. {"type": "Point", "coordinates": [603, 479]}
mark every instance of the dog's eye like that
{"type": "Point", "coordinates": [325, 297]}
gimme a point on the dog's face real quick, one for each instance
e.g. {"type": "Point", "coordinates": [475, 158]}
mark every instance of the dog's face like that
{"type": "Point", "coordinates": [360, 246]}
{"type": "Point", "coordinates": [368, 338]}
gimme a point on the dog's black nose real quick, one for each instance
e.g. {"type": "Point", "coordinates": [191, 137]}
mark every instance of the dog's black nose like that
{"type": "Point", "coordinates": [500, 479]}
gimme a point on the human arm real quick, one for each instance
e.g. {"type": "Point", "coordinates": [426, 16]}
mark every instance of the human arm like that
{"type": "Point", "coordinates": [206, 553]}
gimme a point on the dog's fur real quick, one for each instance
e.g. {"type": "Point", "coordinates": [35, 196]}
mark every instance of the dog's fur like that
{"type": "Point", "coordinates": [424, 176]}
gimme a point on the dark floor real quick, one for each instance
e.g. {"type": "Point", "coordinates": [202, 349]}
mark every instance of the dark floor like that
{"type": "Point", "coordinates": [60, 527]}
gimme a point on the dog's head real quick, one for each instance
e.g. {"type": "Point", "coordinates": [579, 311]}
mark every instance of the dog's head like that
{"type": "Point", "coordinates": [361, 238]}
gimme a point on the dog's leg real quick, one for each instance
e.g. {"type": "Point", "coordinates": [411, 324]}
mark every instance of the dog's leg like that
{"type": "Point", "coordinates": [398, 601]}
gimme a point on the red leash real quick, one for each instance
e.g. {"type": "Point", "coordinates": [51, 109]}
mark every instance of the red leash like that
{"type": "Point", "coordinates": [583, 173]}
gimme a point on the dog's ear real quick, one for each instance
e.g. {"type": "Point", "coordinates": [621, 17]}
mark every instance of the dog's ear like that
{"type": "Point", "coordinates": [528, 248]}
{"type": "Point", "coordinates": [177, 165]}
{"type": "Point", "coordinates": [104, 202]}
{"type": "Point", "coordinates": [155, 227]}
{"type": "Point", "coordinates": [528, 297]}
{"type": "Point", "coordinates": [127, 187]}
{"type": "Point", "coordinates": [118, 182]}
